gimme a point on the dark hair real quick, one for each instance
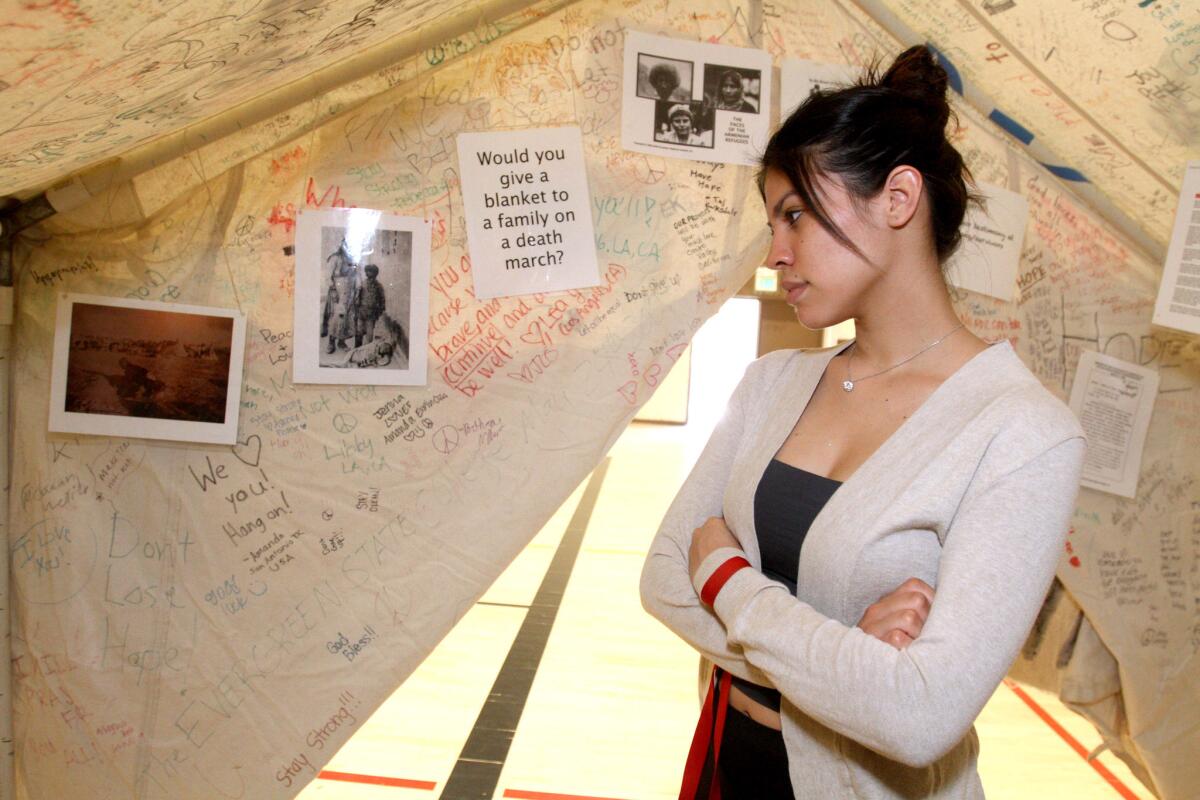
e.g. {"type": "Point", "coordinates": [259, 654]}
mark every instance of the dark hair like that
{"type": "Point", "coordinates": [862, 132]}
{"type": "Point", "coordinates": [371, 270]}
{"type": "Point", "coordinates": [663, 72]}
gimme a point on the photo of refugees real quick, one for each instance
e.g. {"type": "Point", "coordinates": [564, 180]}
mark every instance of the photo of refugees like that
{"type": "Point", "coordinates": [362, 298]}
{"type": "Point", "coordinates": [732, 88]}
{"type": "Point", "coordinates": [366, 282]}
{"type": "Point", "coordinates": [698, 101]}
{"type": "Point", "coordinates": [135, 362]}
{"type": "Point", "coordinates": [664, 79]}
{"type": "Point", "coordinates": [683, 123]}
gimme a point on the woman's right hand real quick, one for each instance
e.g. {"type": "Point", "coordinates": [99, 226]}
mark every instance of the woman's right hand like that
{"type": "Point", "coordinates": [897, 618]}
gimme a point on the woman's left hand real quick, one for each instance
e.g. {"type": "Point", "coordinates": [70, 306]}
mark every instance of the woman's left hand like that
{"type": "Point", "coordinates": [713, 534]}
{"type": "Point", "coordinates": [898, 617]}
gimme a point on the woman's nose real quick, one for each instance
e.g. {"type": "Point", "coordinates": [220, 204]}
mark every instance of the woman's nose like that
{"type": "Point", "coordinates": [780, 255]}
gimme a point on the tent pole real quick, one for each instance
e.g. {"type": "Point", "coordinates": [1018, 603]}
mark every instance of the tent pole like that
{"type": "Point", "coordinates": [7, 789]}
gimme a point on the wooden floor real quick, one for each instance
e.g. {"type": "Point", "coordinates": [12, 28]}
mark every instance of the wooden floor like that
{"type": "Point", "coordinates": [612, 704]}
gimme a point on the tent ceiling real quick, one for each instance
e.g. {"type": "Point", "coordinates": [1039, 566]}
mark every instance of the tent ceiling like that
{"type": "Point", "coordinates": [1109, 87]}
{"type": "Point", "coordinates": [88, 82]}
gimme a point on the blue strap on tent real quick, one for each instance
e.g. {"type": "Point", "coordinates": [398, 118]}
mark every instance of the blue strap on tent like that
{"type": "Point", "coordinates": [1018, 131]}
{"type": "Point", "coordinates": [952, 75]}
{"type": "Point", "coordinates": [1066, 173]}
{"type": "Point", "coordinates": [951, 71]}
{"type": "Point", "coordinates": [1007, 123]}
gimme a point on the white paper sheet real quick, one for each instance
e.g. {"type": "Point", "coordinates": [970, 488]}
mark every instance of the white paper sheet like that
{"type": "Point", "coordinates": [703, 102]}
{"type": "Point", "coordinates": [798, 78]}
{"type": "Point", "coordinates": [529, 219]}
{"type": "Point", "coordinates": [1113, 400]}
{"type": "Point", "coordinates": [146, 369]}
{"type": "Point", "coordinates": [988, 257]}
{"type": "Point", "coordinates": [355, 324]}
{"type": "Point", "coordinates": [1178, 304]}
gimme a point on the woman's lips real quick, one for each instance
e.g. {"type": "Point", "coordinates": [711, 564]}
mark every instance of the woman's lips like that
{"type": "Point", "coordinates": [795, 291]}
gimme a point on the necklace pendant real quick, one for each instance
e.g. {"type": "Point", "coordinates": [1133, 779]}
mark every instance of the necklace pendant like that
{"type": "Point", "coordinates": [848, 385]}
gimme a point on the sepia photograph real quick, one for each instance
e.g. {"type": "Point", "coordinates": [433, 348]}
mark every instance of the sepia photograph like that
{"type": "Point", "coordinates": [361, 298]}
{"type": "Point", "coordinates": [150, 370]}
{"type": "Point", "coordinates": [664, 79]}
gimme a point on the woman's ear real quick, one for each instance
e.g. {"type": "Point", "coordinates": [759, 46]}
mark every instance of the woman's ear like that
{"type": "Point", "coordinates": [902, 195]}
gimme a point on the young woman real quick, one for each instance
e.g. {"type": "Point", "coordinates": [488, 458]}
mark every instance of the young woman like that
{"type": "Point", "coordinates": [731, 95]}
{"type": "Point", "coordinates": [916, 451]}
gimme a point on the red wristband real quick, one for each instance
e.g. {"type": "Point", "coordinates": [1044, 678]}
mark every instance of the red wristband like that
{"type": "Point", "coordinates": [712, 586]}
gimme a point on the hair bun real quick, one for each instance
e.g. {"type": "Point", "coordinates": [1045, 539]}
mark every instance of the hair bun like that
{"type": "Point", "coordinates": [916, 75]}
{"type": "Point", "coordinates": [860, 133]}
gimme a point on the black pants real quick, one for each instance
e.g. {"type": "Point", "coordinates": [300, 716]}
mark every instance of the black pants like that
{"type": "Point", "coordinates": [753, 763]}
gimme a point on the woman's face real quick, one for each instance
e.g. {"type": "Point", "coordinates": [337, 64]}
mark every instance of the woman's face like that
{"type": "Point", "coordinates": [731, 89]}
{"type": "Point", "coordinates": [682, 124]}
{"type": "Point", "coordinates": [664, 83]}
{"type": "Point", "coordinates": [824, 281]}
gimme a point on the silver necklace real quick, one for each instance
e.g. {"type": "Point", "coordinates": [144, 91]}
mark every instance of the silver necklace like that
{"type": "Point", "coordinates": [848, 384]}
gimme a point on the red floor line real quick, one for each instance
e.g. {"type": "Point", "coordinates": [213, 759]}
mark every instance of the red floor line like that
{"type": "Point", "coordinates": [1071, 741]}
{"type": "Point", "coordinates": [521, 794]}
{"type": "Point", "coordinates": [377, 780]}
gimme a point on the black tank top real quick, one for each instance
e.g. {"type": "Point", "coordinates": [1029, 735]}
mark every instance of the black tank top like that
{"type": "Point", "coordinates": [786, 502]}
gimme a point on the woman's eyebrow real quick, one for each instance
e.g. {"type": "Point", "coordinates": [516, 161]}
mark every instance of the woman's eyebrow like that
{"type": "Point", "coordinates": [779, 206]}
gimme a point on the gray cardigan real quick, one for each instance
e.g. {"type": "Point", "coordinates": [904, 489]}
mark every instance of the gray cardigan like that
{"type": "Point", "coordinates": [973, 494]}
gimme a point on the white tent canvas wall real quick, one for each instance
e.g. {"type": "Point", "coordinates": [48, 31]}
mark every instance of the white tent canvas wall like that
{"type": "Point", "coordinates": [163, 152]}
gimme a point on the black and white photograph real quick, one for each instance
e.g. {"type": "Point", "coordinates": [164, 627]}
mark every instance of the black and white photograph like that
{"type": "Point", "coordinates": [364, 312]}
{"type": "Point", "coordinates": [664, 79]}
{"type": "Point", "coordinates": [732, 88]}
{"type": "Point", "coordinates": [694, 100]}
{"type": "Point", "coordinates": [361, 298]}
{"type": "Point", "coordinates": [151, 370]}
{"type": "Point", "coordinates": [683, 123]}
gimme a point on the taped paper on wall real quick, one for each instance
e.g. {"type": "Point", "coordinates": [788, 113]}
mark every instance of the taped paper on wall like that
{"type": "Point", "coordinates": [146, 369]}
{"type": "Point", "coordinates": [798, 78]}
{"type": "Point", "coordinates": [1113, 400]}
{"type": "Point", "coordinates": [987, 259]}
{"type": "Point", "coordinates": [529, 219]}
{"type": "Point", "coordinates": [703, 102]}
{"type": "Point", "coordinates": [1178, 304]}
{"type": "Point", "coordinates": [362, 298]}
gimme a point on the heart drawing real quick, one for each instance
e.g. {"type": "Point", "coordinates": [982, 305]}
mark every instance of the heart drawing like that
{"type": "Point", "coordinates": [249, 451]}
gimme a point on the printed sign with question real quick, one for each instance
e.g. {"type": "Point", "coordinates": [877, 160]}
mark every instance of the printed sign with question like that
{"type": "Point", "coordinates": [529, 219]}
